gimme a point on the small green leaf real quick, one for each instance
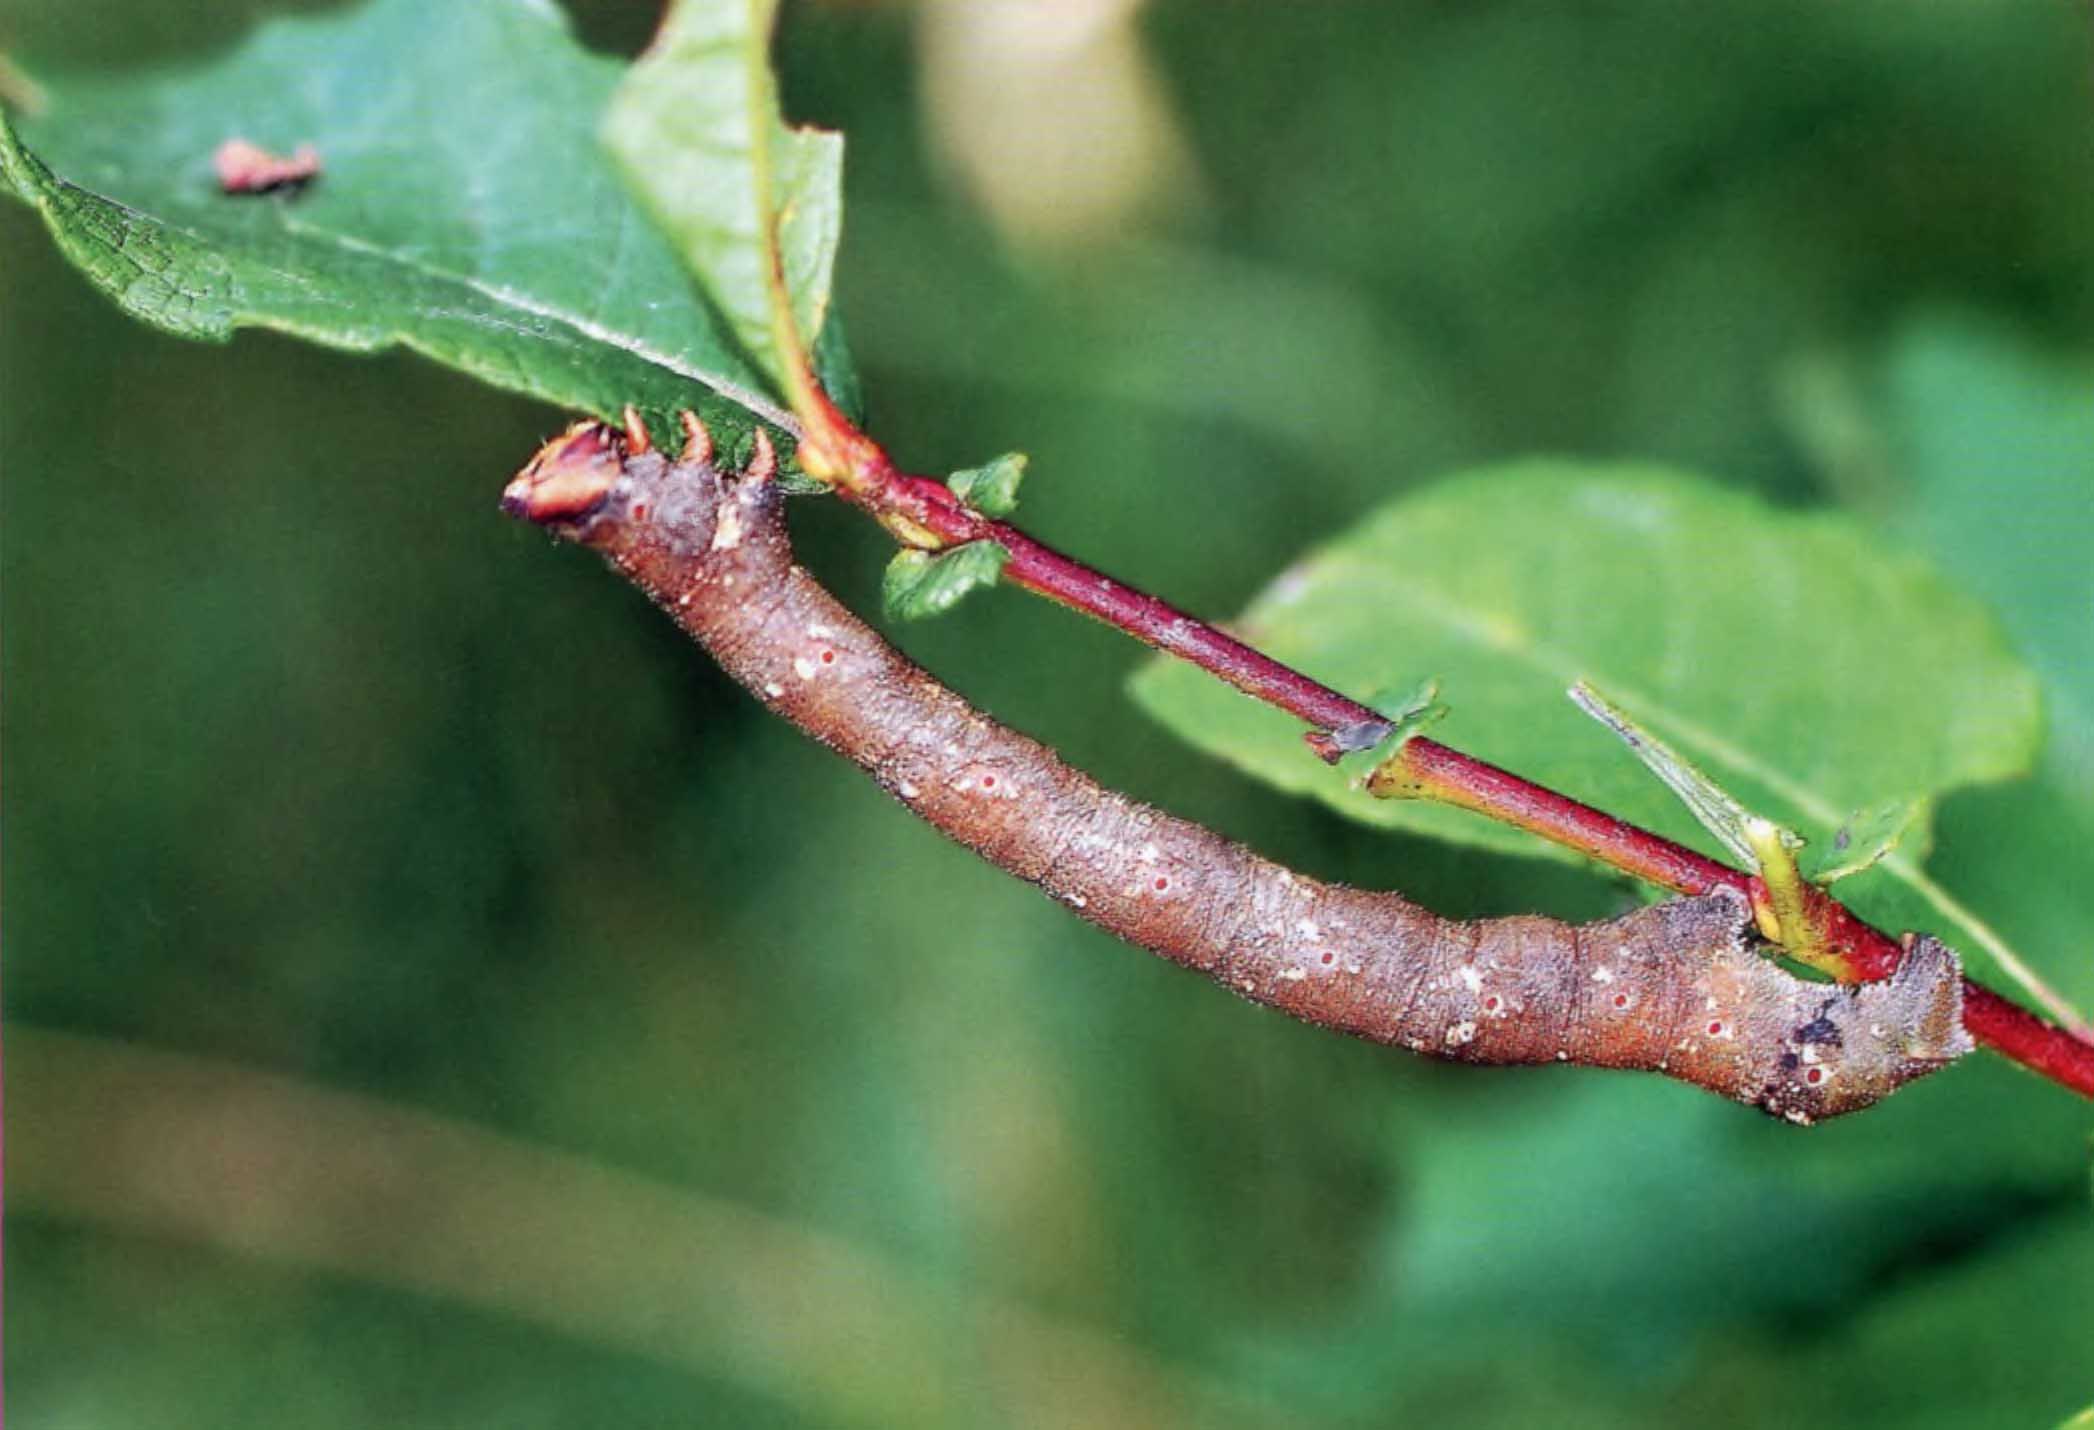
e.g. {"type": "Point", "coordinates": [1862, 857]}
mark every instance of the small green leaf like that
{"type": "Point", "coordinates": [464, 209]}
{"type": "Point", "coordinates": [1410, 714]}
{"type": "Point", "coordinates": [991, 489]}
{"type": "Point", "coordinates": [1719, 812]}
{"type": "Point", "coordinates": [919, 584]}
{"type": "Point", "coordinates": [1866, 837]}
{"type": "Point", "coordinates": [696, 129]}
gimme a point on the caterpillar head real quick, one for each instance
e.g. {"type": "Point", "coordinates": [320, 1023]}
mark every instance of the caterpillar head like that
{"type": "Point", "coordinates": [569, 476]}
{"type": "Point", "coordinates": [594, 470]}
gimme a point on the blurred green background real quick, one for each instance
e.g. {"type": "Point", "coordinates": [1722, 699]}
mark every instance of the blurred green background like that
{"type": "Point", "coordinates": [436, 997]}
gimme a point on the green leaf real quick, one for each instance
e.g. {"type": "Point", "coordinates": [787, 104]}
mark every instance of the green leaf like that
{"type": "Point", "coordinates": [695, 127]}
{"type": "Point", "coordinates": [464, 210]}
{"type": "Point", "coordinates": [1865, 840]}
{"type": "Point", "coordinates": [1409, 714]}
{"type": "Point", "coordinates": [991, 489]}
{"type": "Point", "coordinates": [1986, 443]}
{"type": "Point", "coordinates": [1791, 655]}
{"type": "Point", "coordinates": [1718, 810]}
{"type": "Point", "coordinates": [919, 584]}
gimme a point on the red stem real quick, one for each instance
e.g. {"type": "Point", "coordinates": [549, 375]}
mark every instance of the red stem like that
{"type": "Point", "coordinates": [1447, 776]}
{"type": "Point", "coordinates": [2036, 1043]}
{"type": "Point", "coordinates": [1429, 769]}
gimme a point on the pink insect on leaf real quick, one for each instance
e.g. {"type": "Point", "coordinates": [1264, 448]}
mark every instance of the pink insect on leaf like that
{"type": "Point", "coordinates": [245, 167]}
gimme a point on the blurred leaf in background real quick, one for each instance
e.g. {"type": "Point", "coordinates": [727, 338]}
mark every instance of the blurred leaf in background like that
{"type": "Point", "coordinates": [331, 794]}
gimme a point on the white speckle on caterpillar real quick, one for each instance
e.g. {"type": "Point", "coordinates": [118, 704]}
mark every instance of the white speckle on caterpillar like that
{"type": "Point", "coordinates": [1470, 977]}
{"type": "Point", "coordinates": [1460, 1033]}
{"type": "Point", "coordinates": [907, 790]}
{"type": "Point", "coordinates": [1309, 930]}
{"type": "Point", "coordinates": [1294, 975]}
{"type": "Point", "coordinates": [772, 690]}
{"type": "Point", "coordinates": [805, 668]}
{"type": "Point", "coordinates": [1603, 974]}
{"type": "Point", "coordinates": [1149, 854]}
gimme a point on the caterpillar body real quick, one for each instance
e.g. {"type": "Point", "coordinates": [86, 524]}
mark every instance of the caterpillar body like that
{"type": "Point", "coordinates": [1675, 988]}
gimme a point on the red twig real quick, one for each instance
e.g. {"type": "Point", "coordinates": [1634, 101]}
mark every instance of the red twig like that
{"type": "Point", "coordinates": [926, 512]}
{"type": "Point", "coordinates": [1426, 769]}
{"type": "Point", "coordinates": [2037, 1044]}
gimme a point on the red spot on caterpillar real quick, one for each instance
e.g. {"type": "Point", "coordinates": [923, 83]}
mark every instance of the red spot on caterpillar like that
{"type": "Point", "coordinates": [1493, 1003]}
{"type": "Point", "coordinates": [988, 782]}
{"type": "Point", "coordinates": [828, 657]}
{"type": "Point", "coordinates": [1815, 1075]}
{"type": "Point", "coordinates": [1162, 883]}
{"type": "Point", "coordinates": [1329, 958]}
{"type": "Point", "coordinates": [247, 168]}
{"type": "Point", "coordinates": [1716, 1027]}
{"type": "Point", "coordinates": [1621, 1000]}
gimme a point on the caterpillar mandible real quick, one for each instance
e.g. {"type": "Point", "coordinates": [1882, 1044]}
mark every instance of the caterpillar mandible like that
{"type": "Point", "coordinates": [1675, 988]}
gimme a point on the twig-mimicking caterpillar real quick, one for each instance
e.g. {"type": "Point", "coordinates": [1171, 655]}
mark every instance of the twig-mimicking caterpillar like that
{"type": "Point", "coordinates": [1673, 988]}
